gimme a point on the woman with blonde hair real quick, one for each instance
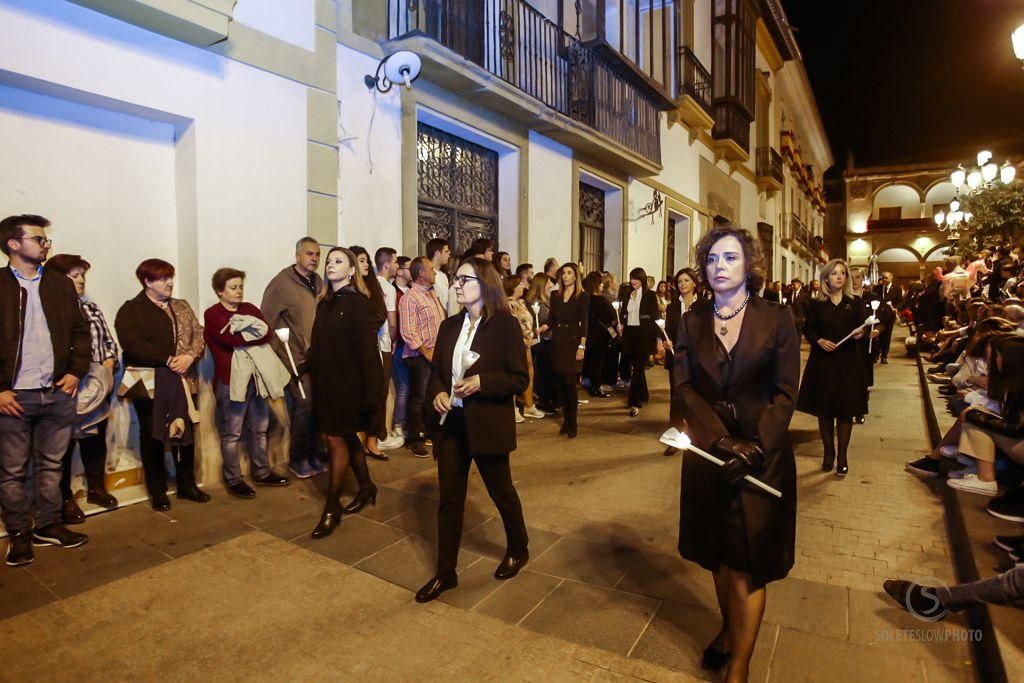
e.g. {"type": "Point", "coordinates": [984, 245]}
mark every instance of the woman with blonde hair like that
{"type": "Point", "coordinates": [345, 368]}
{"type": "Point", "coordinates": [834, 386]}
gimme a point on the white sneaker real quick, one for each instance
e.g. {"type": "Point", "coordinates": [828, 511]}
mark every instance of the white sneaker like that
{"type": "Point", "coordinates": [971, 484]}
{"type": "Point", "coordinates": [534, 413]}
{"type": "Point", "coordinates": [391, 443]}
{"type": "Point", "coordinates": [960, 474]}
{"type": "Point", "coordinates": [519, 417]}
{"type": "Point", "coordinates": [398, 431]}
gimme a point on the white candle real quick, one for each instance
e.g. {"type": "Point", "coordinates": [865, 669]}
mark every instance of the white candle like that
{"type": "Point", "coordinates": [677, 439]}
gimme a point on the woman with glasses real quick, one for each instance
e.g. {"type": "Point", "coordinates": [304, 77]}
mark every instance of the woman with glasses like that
{"type": "Point", "coordinates": [569, 321]}
{"type": "Point", "coordinates": [475, 395]}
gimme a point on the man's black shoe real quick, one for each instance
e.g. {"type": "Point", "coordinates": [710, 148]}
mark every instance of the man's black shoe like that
{"type": "Point", "coordinates": [70, 513]}
{"type": "Point", "coordinates": [58, 534]}
{"type": "Point", "coordinates": [102, 498]}
{"type": "Point", "coordinates": [510, 566]}
{"type": "Point", "coordinates": [417, 448]}
{"type": "Point", "coordinates": [241, 490]}
{"type": "Point", "coordinates": [271, 480]}
{"type": "Point", "coordinates": [160, 502]}
{"type": "Point", "coordinates": [195, 494]}
{"type": "Point", "coordinates": [19, 549]}
{"type": "Point", "coordinates": [922, 601]}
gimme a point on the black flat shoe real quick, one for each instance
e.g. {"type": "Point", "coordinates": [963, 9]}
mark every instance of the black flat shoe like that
{"type": "Point", "coordinates": [70, 513]}
{"type": "Point", "coordinates": [634, 411]}
{"type": "Point", "coordinates": [378, 456]}
{"type": "Point", "coordinates": [364, 496]}
{"type": "Point", "coordinates": [432, 589]}
{"type": "Point", "coordinates": [712, 658]}
{"type": "Point", "coordinates": [571, 433]}
{"type": "Point", "coordinates": [510, 566]}
{"type": "Point", "coordinates": [195, 494]}
{"type": "Point", "coordinates": [841, 470]}
{"type": "Point", "coordinates": [241, 490]}
{"type": "Point", "coordinates": [271, 480]}
{"type": "Point", "coordinates": [329, 521]}
{"type": "Point", "coordinates": [160, 502]}
{"type": "Point", "coordinates": [102, 498]}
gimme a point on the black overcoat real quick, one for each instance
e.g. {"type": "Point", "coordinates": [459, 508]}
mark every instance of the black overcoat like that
{"type": "Point", "coordinates": [345, 366]}
{"type": "Point", "coordinates": [763, 385]}
{"type": "Point", "coordinates": [835, 383]}
{"type": "Point", "coordinates": [490, 413]}
{"type": "Point", "coordinates": [569, 321]}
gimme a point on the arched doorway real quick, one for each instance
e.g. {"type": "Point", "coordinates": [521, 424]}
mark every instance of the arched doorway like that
{"type": "Point", "coordinates": [902, 262]}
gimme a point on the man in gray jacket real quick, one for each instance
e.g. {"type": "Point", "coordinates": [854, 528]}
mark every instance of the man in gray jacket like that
{"type": "Point", "coordinates": [290, 301]}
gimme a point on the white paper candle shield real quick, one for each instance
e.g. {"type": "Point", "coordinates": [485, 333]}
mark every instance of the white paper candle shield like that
{"type": "Point", "coordinates": [284, 334]}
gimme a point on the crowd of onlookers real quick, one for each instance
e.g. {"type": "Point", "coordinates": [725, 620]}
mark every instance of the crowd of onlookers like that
{"type": "Point", "coordinates": [968, 325]}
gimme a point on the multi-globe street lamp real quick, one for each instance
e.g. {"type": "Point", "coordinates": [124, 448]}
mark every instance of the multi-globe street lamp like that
{"type": "Point", "coordinates": [971, 180]}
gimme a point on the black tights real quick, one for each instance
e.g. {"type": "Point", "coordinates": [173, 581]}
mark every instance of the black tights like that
{"type": "Point", "coordinates": [344, 451]}
{"type": "Point", "coordinates": [827, 427]}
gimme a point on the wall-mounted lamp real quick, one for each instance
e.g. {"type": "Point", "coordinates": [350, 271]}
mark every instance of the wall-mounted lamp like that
{"type": "Point", "coordinates": [651, 208]}
{"type": "Point", "coordinates": [400, 67]}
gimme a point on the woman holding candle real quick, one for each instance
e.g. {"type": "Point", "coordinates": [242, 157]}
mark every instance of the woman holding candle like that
{"type": "Point", "coordinates": [477, 399]}
{"type": "Point", "coordinates": [834, 386]}
{"type": "Point", "coordinates": [687, 287]}
{"type": "Point", "coordinates": [735, 374]}
{"type": "Point", "coordinates": [345, 366]}
{"type": "Point", "coordinates": [640, 336]}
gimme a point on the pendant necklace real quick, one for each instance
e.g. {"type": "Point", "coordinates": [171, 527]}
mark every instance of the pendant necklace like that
{"type": "Point", "coordinates": [723, 330]}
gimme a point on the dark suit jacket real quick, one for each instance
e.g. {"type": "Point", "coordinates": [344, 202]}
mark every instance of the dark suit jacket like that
{"type": "Point", "coordinates": [649, 313]}
{"type": "Point", "coordinates": [490, 413]}
{"type": "Point", "coordinates": [801, 303]}
{"type": "Point", "coordinates": [891, 299]}
{"type": "Point", "coordinates": [763, 389]}
{"type": "Point", "coordinates": [570, 322]}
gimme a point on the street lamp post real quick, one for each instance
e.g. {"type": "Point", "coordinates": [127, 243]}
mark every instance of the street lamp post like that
{"type": "Point", "coordinates": [981, 177]}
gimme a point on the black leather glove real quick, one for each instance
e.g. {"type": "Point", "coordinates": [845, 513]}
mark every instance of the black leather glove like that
{"type": "Point", "coordinates": [741, 457]}
{"type": "Point", "coordinates": [994, 424]}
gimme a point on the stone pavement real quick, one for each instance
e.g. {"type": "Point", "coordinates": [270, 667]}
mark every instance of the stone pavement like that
{"type": "Point", "coordinates": [237, 588]}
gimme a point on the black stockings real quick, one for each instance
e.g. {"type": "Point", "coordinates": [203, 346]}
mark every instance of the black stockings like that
{"type": "Point", "coordinates": [828, 427]}
{"type": "Point", "coordinates": [344, 451]}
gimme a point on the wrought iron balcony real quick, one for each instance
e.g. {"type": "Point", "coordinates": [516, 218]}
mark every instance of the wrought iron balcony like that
{"type": "Point", "coordinates": [797, 232]}
{"type": "Point", "coordinates": [694, 79]}
{"type": "Point", "coordinates": [519, 44]}
{"type": "Point", "coordinates": [769, 169]}
{"type": "Point", "coordinates": [732, 128]}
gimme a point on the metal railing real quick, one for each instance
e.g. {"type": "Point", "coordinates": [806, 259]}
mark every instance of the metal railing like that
{"type": "Point", "coordinates": [731, 123]}
{"type": "Point", "coordinates": [769, 164]}
{"type": "Point", "coordinates": [516, 42]}
{"type": "Point", "coordinates": [694, 78]}
{"type": "Point", "coordinates": [797, 231]}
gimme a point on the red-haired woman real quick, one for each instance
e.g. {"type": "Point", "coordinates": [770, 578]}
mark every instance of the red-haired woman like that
{"type": "Point", "coordinates": [159, 332]}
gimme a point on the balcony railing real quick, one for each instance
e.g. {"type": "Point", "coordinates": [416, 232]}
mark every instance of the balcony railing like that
{"type": "Point", "coordinates": [731, 123]}
{"type": "Point", "coordinates": [798, 232]}
{"type": "Point", "coordinates": [900, 224]}
{"type": "Point", "coordinates": [694, 79]}
{"type": "Point", "coordinates": [769, 164]}
{"type": "Point", "coordinates": [517, 43]}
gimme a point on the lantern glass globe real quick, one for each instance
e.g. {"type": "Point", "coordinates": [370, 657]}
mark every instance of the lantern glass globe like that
{"type": "Point", "coordinates": [940, 218]}
{"type": "Point", "coordinates": [958, 177]}
{"type": "Point", "coordinates": [974, 179]}
{"type": "Point", "coordinates": [1017, 37]}
{"type": "Point", "coordinates": [954, 205]}
{"type": "Point", "coordinates": [989, 171]}
{"type": "Point", "coordinates": [1007, 173]}
{"type": "Point", "coordinates": [984, 157]}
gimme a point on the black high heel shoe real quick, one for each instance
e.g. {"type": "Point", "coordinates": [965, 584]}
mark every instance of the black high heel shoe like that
{"type": "Point", "coordinates": [842, 469]}
{"type": "Point", "coordinates": [827, 463]}
{"type": "Point", "coordinates": [329, 521]}
{"type": "Point", "coordinates": [364, 496]}
{"type": "Point", "coordinates": [713, 658]}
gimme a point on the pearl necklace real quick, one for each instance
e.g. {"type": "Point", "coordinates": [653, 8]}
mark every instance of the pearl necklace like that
{"type": "Point", "coordinates": [723, 330]}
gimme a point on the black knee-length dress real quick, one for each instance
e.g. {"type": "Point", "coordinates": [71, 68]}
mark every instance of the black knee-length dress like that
{"type": "Point", "coordinates": [835, 382]}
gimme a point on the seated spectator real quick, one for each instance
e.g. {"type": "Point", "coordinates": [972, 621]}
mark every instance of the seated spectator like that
{"type": "Point", "coordinates": [162, 339]}
{"type": "Point", "coordinates": [933, 603]}
{"type": "Point", "coordinates": [90, 434]}
{"type": "Point", "coordinates": [247, 372]}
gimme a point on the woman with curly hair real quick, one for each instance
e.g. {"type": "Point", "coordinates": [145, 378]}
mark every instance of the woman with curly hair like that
{"type": "Point", "coordinates": [737, 364]}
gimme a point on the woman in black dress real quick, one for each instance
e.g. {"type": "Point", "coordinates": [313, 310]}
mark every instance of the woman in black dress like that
{"type": "Point", "coordinates": [601, 333]}
{"type": "Point", "coordinates": [345, 367]}
{"type": "Point", "coordinates": [834, 386]}
{"type": "Point", "coordinates": [569, 320]}
{"type": "Point", "coordinates": [638, 312]}
{"type": "Point", "coordinates": [479, 401]}
{"type": "Point", "coordinates": [737, 364]}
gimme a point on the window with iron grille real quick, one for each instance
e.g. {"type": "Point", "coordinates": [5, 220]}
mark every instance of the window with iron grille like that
{"type": "Point", "coordinates": [591, 228]}
{"type": "Point", "coordinates": [458, 190]}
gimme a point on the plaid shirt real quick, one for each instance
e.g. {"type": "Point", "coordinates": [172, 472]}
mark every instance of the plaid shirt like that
{"type": "Point", "coordinates": [103, 345]}
{"type": "Point", "coordinates": [420, 315]}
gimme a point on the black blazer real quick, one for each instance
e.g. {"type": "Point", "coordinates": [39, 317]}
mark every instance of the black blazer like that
{"type": "Point", "coordinates": [569, 323]}
{"type": "Point", "coordinates": [490, 413]}
{"type": "Point", "coordinates": [800, 304]}
{"type": "Point", "coordinates": [890, 300]}
{"type": "Point", "coordinates": [763, 389]}
{"type": "Point", "coordinates": [649, 333]}
{"type": "Point", "coordinates": [602, 317]}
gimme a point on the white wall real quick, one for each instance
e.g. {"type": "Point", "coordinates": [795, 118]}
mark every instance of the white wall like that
{"type": "Point", "coordinates": [289, 20]}
{"type": "Point", "coordinates": [550, 188]}
{"type": "Point", "coordinates": [240, 119]}
{"type": "Point", "coordinates": [104, 179]}
{"type": "Point", "coordinates": [369, 160]}
{"type": "Point", "coordinates": [903, 196]}
{"type": "Point", "coordinates": [645, 238]}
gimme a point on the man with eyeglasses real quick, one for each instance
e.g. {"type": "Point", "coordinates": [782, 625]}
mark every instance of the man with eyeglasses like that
{"type": "Point", "coordinates": [420, 315]}
{"type": "Point", "coordinates": [45, 349]}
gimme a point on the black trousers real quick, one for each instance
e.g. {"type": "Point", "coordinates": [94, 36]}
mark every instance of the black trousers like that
{"type": "Point", "coordinates": [594, 365]}
{"type": "Point", "coordinates": [386, 363]}
{"type": "Point", "coordinates": [419, 375]}
{"type": "Point", "coordinates": [885, 339]}
{"type": "Point", "coordinates": [453, 462]}
{"type": "Point", "coordinates": [543, 387]}
{"type": "Point", "coordinates": [568, 399]}
{"type": "Point", "coordinates": [153, 450]}
{"type": "Point", "coordinates": [93, 450]}
{"type": "Point", "coordinates": [637, 361]}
